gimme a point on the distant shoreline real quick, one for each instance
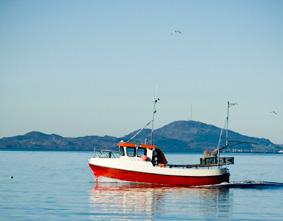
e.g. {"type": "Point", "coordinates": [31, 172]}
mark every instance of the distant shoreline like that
{"type": "Point", "coordinates": [175, 137]}
{"type": "Point", "coordinates": [91, 151]}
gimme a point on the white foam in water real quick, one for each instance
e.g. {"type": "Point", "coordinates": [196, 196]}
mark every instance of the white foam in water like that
{"type": "Point", "coordinates": [109, 180]}
{"type": "Point", "coordinates": [244, 184]}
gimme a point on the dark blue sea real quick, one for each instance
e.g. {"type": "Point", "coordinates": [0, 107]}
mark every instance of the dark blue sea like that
{"type": "Point", "coordinates": [60, 186]}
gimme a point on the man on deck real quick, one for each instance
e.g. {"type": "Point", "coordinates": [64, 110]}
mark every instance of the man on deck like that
{"type": "Point", "coordinates": [159, 158]}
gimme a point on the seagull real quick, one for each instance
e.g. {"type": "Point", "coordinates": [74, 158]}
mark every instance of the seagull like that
{"type": "Point", "coordinates": [176, 32]}
{"type": "Point", "coordinates": [274, 112]}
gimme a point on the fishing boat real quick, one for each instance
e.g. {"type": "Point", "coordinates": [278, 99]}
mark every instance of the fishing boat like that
{"type": "Point", "coordinates": [146, 163]}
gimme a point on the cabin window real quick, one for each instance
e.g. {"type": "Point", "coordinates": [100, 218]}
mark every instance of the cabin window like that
{"type": "Point", "coordinates": [141, 152]}
{"type": "Point", "coordinates": [122, 153]}
{"type": "Point", "coordinates": [131, 151]}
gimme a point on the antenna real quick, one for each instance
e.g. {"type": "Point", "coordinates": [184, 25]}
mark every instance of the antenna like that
{"type": "Point", "coordinates": [153, 115]}
{"type": "Point", "coordinates": [191, 112]}
{"type": "Point", "coordinates": [150, 122]}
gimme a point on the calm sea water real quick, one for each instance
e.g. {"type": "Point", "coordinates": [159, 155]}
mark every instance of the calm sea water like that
{"type": "Point", "coordinates": [60, 186]}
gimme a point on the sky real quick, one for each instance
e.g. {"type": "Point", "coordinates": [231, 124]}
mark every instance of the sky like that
{"type": "Point", "coordinates": [79, 68]}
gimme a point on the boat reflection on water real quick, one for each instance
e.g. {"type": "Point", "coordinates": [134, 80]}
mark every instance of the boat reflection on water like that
{"type": "Point", "coordinates": [124, 201]}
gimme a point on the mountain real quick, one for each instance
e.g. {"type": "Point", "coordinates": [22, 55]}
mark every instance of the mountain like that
{"type": "Point", "coordinates": [204, 136]}
{"type": "Point", "coordinates": [178, 136]}
{"type": "Point", "coordinates": [195, 136]}
{"type": "Point", "coordinates": [40, 141]}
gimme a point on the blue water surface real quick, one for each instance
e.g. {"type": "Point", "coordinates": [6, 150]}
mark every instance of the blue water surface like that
{"type": "Point", "coordinates": [60, 186]}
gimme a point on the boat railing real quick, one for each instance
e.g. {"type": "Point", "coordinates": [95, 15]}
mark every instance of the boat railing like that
{"type": "Point", "coordinates": [206, 162]}
{"type": "Point", "coordinates": [106, 154]}
{"type": "Point", "coordinates": [181, 166]}
{"type": "Point", "coordinates": [212, 161]}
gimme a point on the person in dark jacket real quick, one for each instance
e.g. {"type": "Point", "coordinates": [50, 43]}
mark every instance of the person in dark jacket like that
{"type": "Point", "coordinates": [159, 158]}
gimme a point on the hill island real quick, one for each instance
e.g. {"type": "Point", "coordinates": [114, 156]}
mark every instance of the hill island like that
{"type": "Point", "coordinates": [175, 137]}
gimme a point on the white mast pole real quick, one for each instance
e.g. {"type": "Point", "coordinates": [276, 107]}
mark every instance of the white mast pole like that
{"type": "Point", "coordinates": [227, 129]}
{"type": "Point", "coordinates": [153, 115]}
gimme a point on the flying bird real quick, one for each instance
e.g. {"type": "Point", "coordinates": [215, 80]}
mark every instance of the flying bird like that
{"type": "Point", "coordinates": [274, 112]}
{"type": "Point", "coordinates": [176, 32]}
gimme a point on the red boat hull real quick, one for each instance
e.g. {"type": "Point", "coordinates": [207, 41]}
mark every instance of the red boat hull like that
{"type": "Point", "coordinates": [133, 176]}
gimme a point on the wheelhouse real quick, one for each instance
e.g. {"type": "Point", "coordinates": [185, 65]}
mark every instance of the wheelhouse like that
{"type": "Point", "coordinates": [133, 150]}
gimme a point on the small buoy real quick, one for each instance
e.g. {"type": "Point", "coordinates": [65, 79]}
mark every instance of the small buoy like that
{"type": "Point", "coordinates": [11, 177]}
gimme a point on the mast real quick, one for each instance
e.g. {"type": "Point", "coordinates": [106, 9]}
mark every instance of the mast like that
{"type": "Point", "coordinates": [226, 126]}
{"type": "Point", "coordinates": [153, 116]}
{"type": "Point", "coordinates": [229, 104]}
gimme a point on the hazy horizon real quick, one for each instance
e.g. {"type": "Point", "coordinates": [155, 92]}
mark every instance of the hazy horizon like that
{"type": "Point", "coordinates": [77, 68]}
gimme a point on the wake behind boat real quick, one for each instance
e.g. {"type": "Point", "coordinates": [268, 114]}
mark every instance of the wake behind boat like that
{"type": "Point", "coordinates": [146, 163]}
{"type": "Point", "coordinates": [252, 184]}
